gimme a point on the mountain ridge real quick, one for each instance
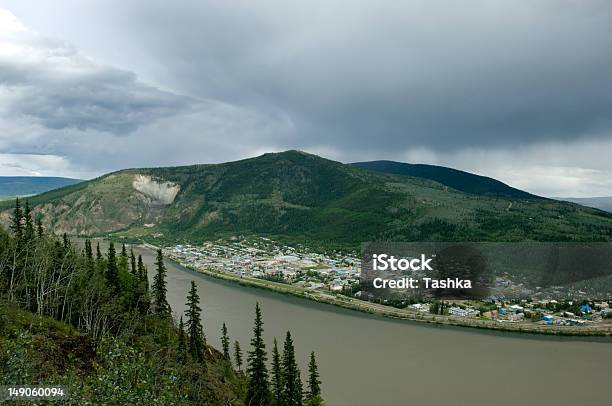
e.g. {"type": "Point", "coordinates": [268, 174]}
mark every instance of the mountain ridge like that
{"type": "Point", "coordinates": [300, 197]}
{"type": "Point", "coordinates": [457, 179]}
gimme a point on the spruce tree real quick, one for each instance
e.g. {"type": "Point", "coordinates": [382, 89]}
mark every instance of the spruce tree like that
{"type": "Point", "coordinates": [277, 374]}
{"type": "Point", "coordinates": [258, 393]}
{"type": "Point", "coordinates": [112, 271]}
{"type": "Point", "coordinates": [39, 228]}
{"type": "Point", "coordinates": [160, 303]}
{"type": "Point", "coordinates": [238, 355]}
{"type": "Point", "coordinates": [28, 232]}
{"type": "Point", "coordinates": [100, 264]}
{"type": "Point", "coordinates": [89, 256]}
{"type": "Point", "coordinates": [194, 324]}
{"type": "Point", "coordinates": [142, 272]}
{"type": "Point", "coordinates": [313, 397]}
{"type": "Point", "coordinates": [123, 251]}
{"type": "Point", "coordinates": [225, 342]}
{"type": "Point", "coordinates": [17, 222]}
{"type": "Point", "coordinates": [292, 385]}
{"type": "Point", "coordinates": [98, 253]}
{"type": "Point", "coordinates": [88, 252]}
{"type": "Point", "coordinates": [182, 344]}
{"type": "Point", "coordinates": [133, 269]}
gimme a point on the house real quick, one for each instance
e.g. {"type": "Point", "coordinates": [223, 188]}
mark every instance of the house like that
{"type": "Point", "coordinates": [467, 312]}
{"type": "Point", "coordinates": [335, 287]}
{"type": "Point", "coordinates": [515, 309]}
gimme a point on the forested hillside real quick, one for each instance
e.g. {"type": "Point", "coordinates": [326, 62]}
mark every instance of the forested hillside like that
{"type": "Point", "coordinates": [456, 179]}
{"type": "Point", "coordinates": [73, 316]}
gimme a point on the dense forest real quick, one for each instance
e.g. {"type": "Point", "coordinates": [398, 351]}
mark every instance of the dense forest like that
{"type": "Point", "coordinates": [73, 316]}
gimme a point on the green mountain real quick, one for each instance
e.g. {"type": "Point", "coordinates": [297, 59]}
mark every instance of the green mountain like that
{"type": "Point", "coordinates": [31, 185]}
{"type": "Point", "coordinates": [298, 197]}
{"type": "Point", "coordinates": [459, 180]}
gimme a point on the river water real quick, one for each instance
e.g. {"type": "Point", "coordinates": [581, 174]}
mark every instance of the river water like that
{"type": "Point", "coordinates": [369, 360]}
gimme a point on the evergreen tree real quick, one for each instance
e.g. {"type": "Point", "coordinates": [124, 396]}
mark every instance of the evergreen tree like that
{"type": "Point", "coordinates": [39, 228]}
{"type": "Point", "coordinates": [258, 393]}
{"type": "Point", "coordinates": [98, 253]}
{"type": "Point", "coordinates": [194, 324]}
{"type": "Point", "coordinates": [123, 251]}
{"type": "Point", "coordinates": [292, 385]}
{"type": "Point", "coordinates": [182, 344]}
{"type": "Point", "coordinates": [88, 252]}
{"type": "Point", "coordinates": [100, 264]}
{"type": "Point", "coordinates": [142, 272]}
{"type": "Point", "coordinates": [29, 225]}
{"type": "Point", "coordinates": [160, 303]}
{"type": "Point", "coordinates": [133, 269]}
{"type": "Point", "coordinates": [277, 374]}
{"type": "Point", "coordinates": [89, 256]}
{"type": "Point", "coordinates": [313, 398]}
{"type": "Point", "coordinates": [17, 222]}
{"type": "Point", "coordinates": [112, 271]}
{"type": "Point", "coordinates": [66, 241]}
{"type": "Point", "coordinates": [225, 342]}
{"type": "Point", "coordinates": [238, 355]}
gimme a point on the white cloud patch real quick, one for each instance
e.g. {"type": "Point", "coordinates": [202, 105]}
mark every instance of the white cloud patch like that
{"type": "Point", "coordinates": [50, 83]}
{"type": "Point", "coordinates": [35, 165]}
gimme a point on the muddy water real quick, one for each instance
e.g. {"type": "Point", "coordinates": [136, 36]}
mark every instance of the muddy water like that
{"type": "Point", "coordinates": [366, 360]}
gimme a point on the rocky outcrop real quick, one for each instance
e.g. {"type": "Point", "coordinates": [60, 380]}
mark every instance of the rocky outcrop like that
{"type": "Point", "coordinates": [159, 192]}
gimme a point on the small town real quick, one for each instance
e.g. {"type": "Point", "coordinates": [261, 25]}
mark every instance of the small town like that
{"type": "Point", "coordinates": [337, 274]}
{"type": "Point", "coordinates": [264, 259]}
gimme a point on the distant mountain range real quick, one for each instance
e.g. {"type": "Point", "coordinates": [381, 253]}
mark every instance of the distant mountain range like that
{"type": "Point", "coordinates": [601, 203]}
{"type": "Point", "coordinates": [298, 197]}
{"type": "Point", "coordinates": [456, 179]}
{"type": "Point", "coordinates": [31, 185]}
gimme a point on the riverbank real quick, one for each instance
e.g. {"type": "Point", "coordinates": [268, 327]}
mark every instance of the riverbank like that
{"type": "Point", "coordinates": [604, 330]}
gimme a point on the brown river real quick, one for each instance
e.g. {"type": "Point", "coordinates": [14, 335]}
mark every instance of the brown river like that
{"type": "Point", "coordinates": [369, 360]}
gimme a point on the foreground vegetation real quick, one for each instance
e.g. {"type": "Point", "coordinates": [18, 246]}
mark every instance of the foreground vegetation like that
{"type": "Point", "coordinates": [90, 322]}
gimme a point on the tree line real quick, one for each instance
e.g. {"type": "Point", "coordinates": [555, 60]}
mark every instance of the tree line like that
{"type": "Point", "coordinates": [109, 296]}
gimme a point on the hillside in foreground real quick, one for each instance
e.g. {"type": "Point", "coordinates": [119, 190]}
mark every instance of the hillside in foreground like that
{"type": "Point", "coordinates": [299, 197]}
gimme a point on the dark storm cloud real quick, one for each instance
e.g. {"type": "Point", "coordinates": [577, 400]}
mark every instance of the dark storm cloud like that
{"type": "Point", "coordinates": [444, 75]}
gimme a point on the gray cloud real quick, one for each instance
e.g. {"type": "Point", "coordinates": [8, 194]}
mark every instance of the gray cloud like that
{"type": "Point", "coordinates": [52, 84]}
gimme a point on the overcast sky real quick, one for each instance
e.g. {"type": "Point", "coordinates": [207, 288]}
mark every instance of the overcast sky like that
{"type": "Point", "coordinates": [517, 90]}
